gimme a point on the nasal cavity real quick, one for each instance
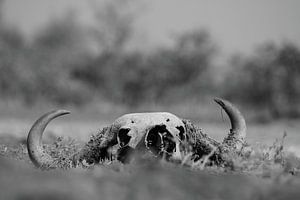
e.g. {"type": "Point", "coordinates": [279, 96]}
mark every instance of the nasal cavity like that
{"type": "Point", "coordinates": [154, 140]}
{"type": "Point", "coordinates": [123, 136]}
{"type": "Point", "coordinates": [181, 132]}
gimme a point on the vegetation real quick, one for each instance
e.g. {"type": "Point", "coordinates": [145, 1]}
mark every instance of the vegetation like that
{"type": "Point", "coordinates": [269, 173]}
{"type": "Point", "coordinates": [268, 79]}
{"type": "Point", "coordinates": [70, 63]}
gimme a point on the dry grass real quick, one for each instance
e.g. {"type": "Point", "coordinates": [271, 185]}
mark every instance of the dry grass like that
{"type": "Point", "coordinates": [269, 173]}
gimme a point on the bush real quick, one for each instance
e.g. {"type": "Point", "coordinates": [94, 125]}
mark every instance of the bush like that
{"type": "Point", "coordinates": [133, 78]}
{"type": "Point", "coordinates": [268, 79]}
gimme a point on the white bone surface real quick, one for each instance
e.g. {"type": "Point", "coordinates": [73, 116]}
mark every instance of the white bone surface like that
{"type": "Point", "coordinates": [140, 123]}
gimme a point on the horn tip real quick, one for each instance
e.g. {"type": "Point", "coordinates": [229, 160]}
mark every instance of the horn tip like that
{"type": "Point", "coordinates": [220, 101]}
{"type": "Point", "coordinates": [62, 112]}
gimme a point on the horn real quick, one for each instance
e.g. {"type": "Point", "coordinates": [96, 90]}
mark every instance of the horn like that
{"type": "Point", "coordinates": [35, 148]}
{"type": "Point", "coordinates": [238, 124]}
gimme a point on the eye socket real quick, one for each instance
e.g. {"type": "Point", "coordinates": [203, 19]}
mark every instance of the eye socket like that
{"type": "Point", "coordinates": [123, 136]}
{"type": "Point", "coordinates": [154, 142]}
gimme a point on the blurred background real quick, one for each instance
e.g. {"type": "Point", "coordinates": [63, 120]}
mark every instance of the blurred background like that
{"type": "Point", "coordinates": [103, 58]}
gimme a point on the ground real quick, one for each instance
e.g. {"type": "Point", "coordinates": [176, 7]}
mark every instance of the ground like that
{"type": "Point", "coordinates": [272, 173]}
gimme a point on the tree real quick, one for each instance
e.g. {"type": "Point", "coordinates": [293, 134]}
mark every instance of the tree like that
{"type": "Point", "coordinates": [113, 27]}
{"type": "Point", "coordinates": [182, 70]}
{"type": "Point", "coordinates": [54, 53]}
{"type": "Point", "coordinates": [269, 79]}
{"type": "Point", "coordinates": [11, 48]}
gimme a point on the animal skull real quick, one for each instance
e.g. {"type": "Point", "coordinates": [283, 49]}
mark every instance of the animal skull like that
{"type": "Point", "coordinates": [160, 133]}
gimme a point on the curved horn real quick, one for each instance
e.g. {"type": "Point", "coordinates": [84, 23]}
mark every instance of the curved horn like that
{"type": "Point", "coordinates": [34, 140]}
{"type": "Point", "coordinates": [238, 123]}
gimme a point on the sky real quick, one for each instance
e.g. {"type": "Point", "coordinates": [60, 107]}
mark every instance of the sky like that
{"type": "Point", "coordinates": [235, 25]}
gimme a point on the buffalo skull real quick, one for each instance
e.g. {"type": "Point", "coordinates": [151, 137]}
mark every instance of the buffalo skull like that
{"type": "Point", "coordinates": [160, 134]}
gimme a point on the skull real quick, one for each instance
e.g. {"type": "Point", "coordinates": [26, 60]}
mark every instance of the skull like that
{"type": "Point", "coordinates": [159, 133]}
